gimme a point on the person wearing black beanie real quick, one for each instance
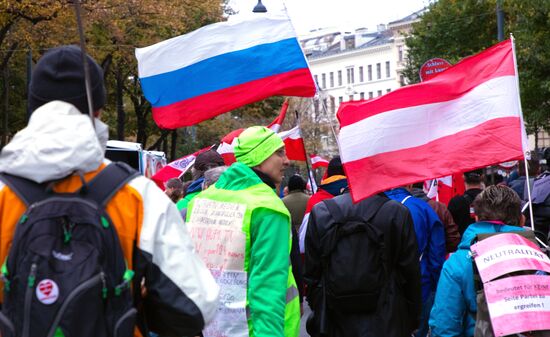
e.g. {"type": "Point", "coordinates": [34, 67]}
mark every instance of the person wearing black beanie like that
{"type": "Point", "coordinates": [59, 75]}
{"type": "Point", "coordinates": [62, 147]}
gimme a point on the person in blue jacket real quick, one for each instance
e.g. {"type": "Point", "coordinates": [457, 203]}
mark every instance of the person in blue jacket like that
{"type": "Point", "coordinates": [497, 209]}
{"type": "Point", "coordinates": [430, 236]}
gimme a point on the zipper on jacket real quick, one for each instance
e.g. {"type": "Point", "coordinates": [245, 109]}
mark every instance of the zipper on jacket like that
{"type": "Point", "coordinates": [28, 300]}
{"type": "Point", "coordinates": [76, 291]}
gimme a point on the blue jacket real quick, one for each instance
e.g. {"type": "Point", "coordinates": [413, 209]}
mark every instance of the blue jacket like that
{"type": "Point", "coordinates": [455, 300]}
{"type": "Point", "coordinates": [430, 236]}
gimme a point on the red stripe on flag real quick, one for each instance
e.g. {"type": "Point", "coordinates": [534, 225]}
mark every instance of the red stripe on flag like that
{"type": "Point", "coordinates": [455, 82]}
{"type": "Point", "coordinates": [438, 158]}
{"type": "Point", "coordinates": [294, 83]}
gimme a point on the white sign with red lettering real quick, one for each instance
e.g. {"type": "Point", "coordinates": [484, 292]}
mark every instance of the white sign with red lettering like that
{"type": "Point", "coordinates": [47, 291]}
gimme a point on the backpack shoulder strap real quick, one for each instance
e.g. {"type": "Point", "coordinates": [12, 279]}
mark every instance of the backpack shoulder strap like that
{"type": "Point", "coordinates": [107, 182]}
{"type": "Point", "coordinates": [27, 190]}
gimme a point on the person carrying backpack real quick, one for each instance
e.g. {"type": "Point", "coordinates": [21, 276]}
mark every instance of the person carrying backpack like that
{"type": "Point", "coordinates": [498, 210]}
{"type": "Point", "coordinates": [362, 268]}
{"type": "Point", "coordinates": [85, 242]}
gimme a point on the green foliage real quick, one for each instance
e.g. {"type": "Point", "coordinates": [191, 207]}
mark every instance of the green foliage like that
{"type": "Point", "coordinates": [454, 29]}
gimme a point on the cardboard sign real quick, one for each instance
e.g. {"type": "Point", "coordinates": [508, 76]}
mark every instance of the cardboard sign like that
{"type": "Point", "coordinates": [216, 228]}
{"type": "Point", "coordinates": [519, 304]}
{"type": "Point", "coordinates": [506, 253]}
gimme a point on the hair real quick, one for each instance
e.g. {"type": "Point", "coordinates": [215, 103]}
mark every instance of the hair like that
{"type": "Point", "coordinates": [533, 167]}
{"type": "Point", "coordinates": [473, 177]}
{"type": "Point", "coordinates": [498, 202]}
{"type": "Point", "coordinates": [212, 175]}
{"type": "Point", "coordinates": [335, 167]}
{"type": "Point", "coordinates": [296, 183]}
{"type": "Point", "coordinates": [177, 186]}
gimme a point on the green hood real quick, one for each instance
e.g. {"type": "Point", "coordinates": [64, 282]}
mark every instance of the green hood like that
{"type": "Point", "coordinates": [237, 177]}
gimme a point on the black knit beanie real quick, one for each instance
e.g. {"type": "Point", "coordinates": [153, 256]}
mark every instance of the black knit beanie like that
{"type": "Point", "coordinates": [59, 75]}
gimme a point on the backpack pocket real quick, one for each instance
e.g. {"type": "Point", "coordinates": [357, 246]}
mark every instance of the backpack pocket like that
{"type": "Point", "coordinates": [124, 327]}
{"type": "Point", "coordinates": [7, 329]}
{"type": "Point", "coordinates": [355, 270]}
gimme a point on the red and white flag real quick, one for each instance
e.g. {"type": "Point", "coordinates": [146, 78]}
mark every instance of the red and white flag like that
{"type": "Point", "coordinates": [467, 117]}
{"type": "Point", "coordinates": [177, 168]}
{"type": "Point", "coordinates": [318, 161]}
{"type": "Point", "coordinates": [276, 124]}
{"type": "Point", "coordinates": [228, 142]}
{"type": "Point", "coordinates": [294, 144]}
{"type": "Point", "coordinates": [227, 145]}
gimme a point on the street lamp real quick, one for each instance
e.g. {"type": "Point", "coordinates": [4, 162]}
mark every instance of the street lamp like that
{"type": "Point", "coordinates": [259, 8]}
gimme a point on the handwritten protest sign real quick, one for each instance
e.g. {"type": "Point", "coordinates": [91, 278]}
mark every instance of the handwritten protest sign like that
{"type": "Point", "coordinates": [519, 303]}
{"type": "Point", "coordinates": [217, 230]}
{"type": "Point", "coordinates": [506, 253]}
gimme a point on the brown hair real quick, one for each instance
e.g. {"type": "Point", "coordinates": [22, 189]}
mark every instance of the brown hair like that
{"type": "Point", "coordinates": [498, 203]}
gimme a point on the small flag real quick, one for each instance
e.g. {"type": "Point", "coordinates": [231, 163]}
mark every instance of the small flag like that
{"type": "Point", "coordinates": [177, 168]}
{"type": "Point", "coordinates": [465, 118]}
{"type": "Point", "coordinates": [294, 144]}
{"type": "Point", "coordinates": [222, 66]}
{"type": "Point", "coordinates": [318, 161]}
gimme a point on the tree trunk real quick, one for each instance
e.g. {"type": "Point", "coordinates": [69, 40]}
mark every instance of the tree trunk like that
{"type": "Point", "coordinates": [121, 114]}
{"type": "Point", "coordinates": [173, 144]}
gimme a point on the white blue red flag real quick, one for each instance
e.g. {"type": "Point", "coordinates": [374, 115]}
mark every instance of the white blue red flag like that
{"type": "Point", "coordinates": [466, 117]}
{"type": "Point", "coordinates": [220, 67]}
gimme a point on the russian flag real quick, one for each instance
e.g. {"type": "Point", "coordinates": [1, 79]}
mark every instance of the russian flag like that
{"type": "Point", "coordinates": [466, 117]}
{"type": "Point", "coordinates": [220, 67]}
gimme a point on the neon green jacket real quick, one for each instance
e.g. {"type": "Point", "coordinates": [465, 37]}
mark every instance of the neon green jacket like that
{"type": "Point", "coordinates": [273, 308]}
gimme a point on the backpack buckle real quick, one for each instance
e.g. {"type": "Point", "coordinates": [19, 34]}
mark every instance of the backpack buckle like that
{"type": "Point", "coordinates": [127, 278]}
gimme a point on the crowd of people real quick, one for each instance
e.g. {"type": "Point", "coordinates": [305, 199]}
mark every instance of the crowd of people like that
{"type": "Point", "coordinates": [223, 254]}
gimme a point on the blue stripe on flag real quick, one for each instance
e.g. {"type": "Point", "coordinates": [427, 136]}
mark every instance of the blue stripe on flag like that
{"type": "Point", "coordinates": [223, 71]}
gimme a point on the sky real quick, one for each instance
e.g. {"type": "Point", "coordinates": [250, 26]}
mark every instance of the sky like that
{"type": "Point", "coordinates": [344, 14]}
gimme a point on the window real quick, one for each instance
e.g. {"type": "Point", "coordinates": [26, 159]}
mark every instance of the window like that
{"type": "Point", "coordinates": [362, 95]}
{"type": "Point", "coordinates": [340, 99]}
{"type": "Point", "coordinates": [350, 75]}
{"type": "Point", "coordinates": [387, 68]}
{"type": "Point", "coordinates": [351, 97]}
{"type": "Point", "coordinates": [331, 79]}
{"type": "Point", "coordinates": [400, 53]}
{"type": "Point", "coordinates": [316, 78]}
{"type": "Point", "coordinates": [379, 92]}
{"type": "Point", "coordinates": [378, 71]}
{"type": "Point", "coordinates": [339, 77]}
{"type": "Point", "coordinates": [388, 90]}
{"type": "Point", "coordinates": [324, 81]}
{"type": "Point", "coordinates": [370, 94]}
{"type": "Point", "coordinates": [332, 104]}
{"type": "Point", "coordinates": [361, 79]}
{"type": "Point", "coordinates": [370, 72]}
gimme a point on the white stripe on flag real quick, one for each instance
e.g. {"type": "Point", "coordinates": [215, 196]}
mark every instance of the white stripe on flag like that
{"type": "Point", "coordinates": [492, 99]}
{"type": "Point", "coordinates": [210, 41]}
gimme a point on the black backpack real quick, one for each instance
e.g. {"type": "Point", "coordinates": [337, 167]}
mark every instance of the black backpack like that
{"type": "Point", "coordinates": [354, 260]}
{"type": "Point", "coordinates": [65, 273]}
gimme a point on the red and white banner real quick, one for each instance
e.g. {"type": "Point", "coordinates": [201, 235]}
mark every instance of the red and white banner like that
{"type": "Point", "coordinates": [519, 304]}
{"type": "Point", "coordinates": [227, 144]}
{"type": "Point", "coordinates": [507, 253]}
{"type": "Point", "coordinates": [294, 144]}
{"type": "Point", "coordinates": [466, 117]}
{"type": "Point", "coordinates": [276, 124]}
{"type": "Point", "coordinates": [177, 168]}
{"type": "Point", "coordinates": [318, 161]}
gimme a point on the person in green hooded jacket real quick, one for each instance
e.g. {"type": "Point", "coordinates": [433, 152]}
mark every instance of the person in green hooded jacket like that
{"type": "Point", "coordinates": [241, 229]}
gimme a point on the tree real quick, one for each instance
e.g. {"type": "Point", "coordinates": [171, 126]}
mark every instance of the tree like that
{"type": "Point", "coordinates": [454, 29]}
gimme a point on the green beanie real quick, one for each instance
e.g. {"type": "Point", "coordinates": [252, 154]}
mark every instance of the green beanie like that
{"type": "Point", "coordinates": [256, 144]}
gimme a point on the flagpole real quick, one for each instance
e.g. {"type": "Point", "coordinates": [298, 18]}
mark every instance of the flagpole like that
{"type": "Point", "coordinates": [305, 152]}
{"type": "Point", "coordinates": [522, 136]}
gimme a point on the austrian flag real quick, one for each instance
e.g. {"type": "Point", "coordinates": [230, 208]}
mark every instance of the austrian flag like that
{"type": "Point", "coordinates": [466, 117]}
{"type": "Point", "coordinates": [318, 161]}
